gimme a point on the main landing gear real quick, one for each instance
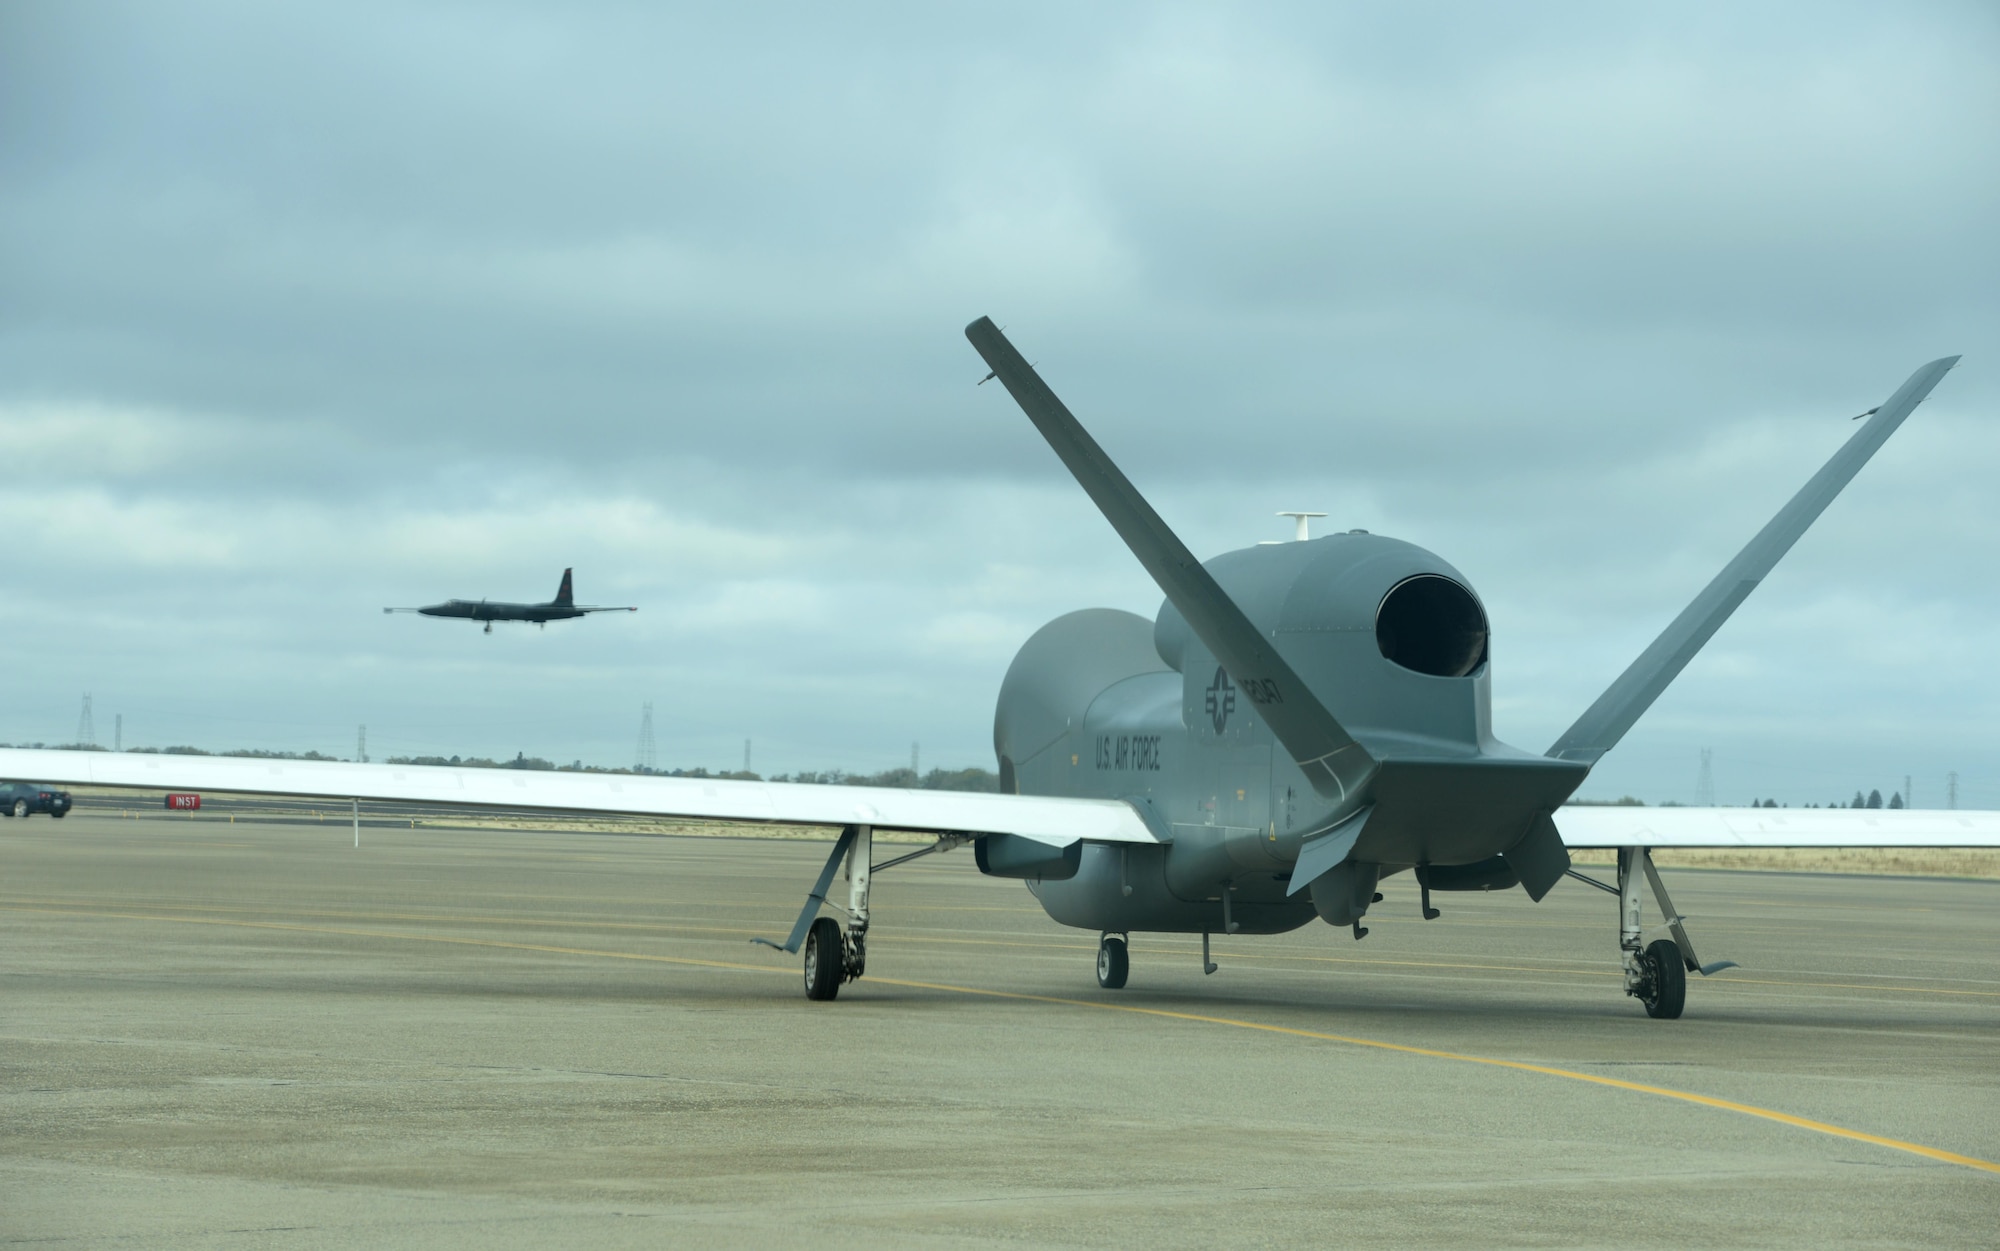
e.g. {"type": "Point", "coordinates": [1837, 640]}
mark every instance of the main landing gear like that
{"type": "Point", "coordinates": [1655, 973]}
{"type": "Point", "coordinates": [1662, 981]}
{"type": "Point", "coordinates": [836, 954]}
{"type": "Point", "coordinates": [826, 959]}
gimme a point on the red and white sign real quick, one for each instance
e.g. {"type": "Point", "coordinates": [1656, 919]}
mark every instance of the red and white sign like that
{"type": "Point", "coordinates": [183, 800]}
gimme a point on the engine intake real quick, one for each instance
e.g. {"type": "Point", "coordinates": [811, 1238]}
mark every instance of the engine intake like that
{"type": "Point", "coordinates": [1432, 625]}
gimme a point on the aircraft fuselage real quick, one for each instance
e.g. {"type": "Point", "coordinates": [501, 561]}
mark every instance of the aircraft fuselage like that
{"type": "Point", "coordinates": [491, 610]}
{"type": "Point", "coordinates": [1103, 704]}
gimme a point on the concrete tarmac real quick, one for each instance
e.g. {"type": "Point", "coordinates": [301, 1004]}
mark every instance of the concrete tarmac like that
{"type": "Point", "coordinates": [255, 1035]}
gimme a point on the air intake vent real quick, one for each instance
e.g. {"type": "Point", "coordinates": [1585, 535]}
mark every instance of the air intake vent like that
{"type": "Point", "coordinates": [1432, 625]}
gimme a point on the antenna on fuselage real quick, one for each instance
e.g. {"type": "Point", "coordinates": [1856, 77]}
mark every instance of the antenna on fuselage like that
{"type": "Point", "coordinates": [1299, 534]}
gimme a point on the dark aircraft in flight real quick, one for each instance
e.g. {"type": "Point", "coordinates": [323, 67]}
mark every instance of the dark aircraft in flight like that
{"type": "Point", "coordinates": [561, 608]}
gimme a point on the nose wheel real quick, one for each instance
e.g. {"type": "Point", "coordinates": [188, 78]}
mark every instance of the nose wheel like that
{"type": "Point", "coordinates": [1113, 962]}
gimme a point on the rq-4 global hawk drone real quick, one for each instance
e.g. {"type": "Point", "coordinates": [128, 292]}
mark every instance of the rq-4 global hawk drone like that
{"type": "Point", "coordinates": [1301, 721]}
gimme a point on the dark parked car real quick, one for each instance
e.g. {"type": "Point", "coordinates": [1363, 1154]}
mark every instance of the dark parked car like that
{"type": "Point", "coordinates": [18, 799]}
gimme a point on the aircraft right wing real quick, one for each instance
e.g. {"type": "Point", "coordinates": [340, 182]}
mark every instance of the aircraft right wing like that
{"type": "Point", "coordinates": [1601, 726]}
{"type": "Point", "coordinates": [1053, 821]}
{"type": "Point", "coordinates": [1609, 826]}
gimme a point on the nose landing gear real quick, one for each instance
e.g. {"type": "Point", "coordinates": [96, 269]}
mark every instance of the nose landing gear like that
{"type": "Point", "coordinates": [1113, 962]}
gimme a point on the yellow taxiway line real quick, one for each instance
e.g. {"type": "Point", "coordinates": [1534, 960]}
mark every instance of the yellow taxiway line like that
{"type": "Point", "coordinates": [1707, 1101]}
{"type": "Point", "coordinates": [1258, 959]}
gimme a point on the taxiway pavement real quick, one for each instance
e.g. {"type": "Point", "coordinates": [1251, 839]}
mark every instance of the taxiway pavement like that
{"type": "Point", "coordinates": [256, 1035]}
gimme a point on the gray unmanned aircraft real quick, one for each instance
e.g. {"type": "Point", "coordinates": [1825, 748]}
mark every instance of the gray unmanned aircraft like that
{"type": "Point", "coordinates": [1299, 723]}
{"type": "Point", "coordinates": [1304, 719]}
{"type": "Point", "coordinates": [561, 608]}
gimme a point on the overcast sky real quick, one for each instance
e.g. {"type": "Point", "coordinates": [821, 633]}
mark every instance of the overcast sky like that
{"type": "Point", "coordinates": [307, 312]}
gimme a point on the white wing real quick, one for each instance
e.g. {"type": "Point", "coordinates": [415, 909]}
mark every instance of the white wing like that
{"type": "Point", "coordinates": [1056, 822]}
{"type": "Point", "coordinates": [1776, 827]}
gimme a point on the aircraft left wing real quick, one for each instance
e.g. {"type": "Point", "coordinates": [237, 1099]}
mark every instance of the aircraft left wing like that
{"type": "Point", "coordinates": [1776, 827]}
{"type": "Point", "coordinates": [1332, 760]}
{"type": "Point", "coordinates": [1056, 822]}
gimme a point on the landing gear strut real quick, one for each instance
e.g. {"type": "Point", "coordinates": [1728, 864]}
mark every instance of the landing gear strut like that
{"type": "Point", "coordinates": [1655, 973]}
{"type": "Point", "coordinates": [837, 953]}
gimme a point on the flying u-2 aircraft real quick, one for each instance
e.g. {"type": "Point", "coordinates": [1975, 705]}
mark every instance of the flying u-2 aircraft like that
{"type": "Point", "coordinates": [1298, 723]}
{"type": "Point", "coordinates": [562, 608]}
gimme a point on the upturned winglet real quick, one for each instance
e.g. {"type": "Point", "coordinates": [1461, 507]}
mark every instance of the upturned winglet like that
{"type": "Point", "coordinates": [1600, 727]}
{"type": "Point", "coordinates": [1329, 756]}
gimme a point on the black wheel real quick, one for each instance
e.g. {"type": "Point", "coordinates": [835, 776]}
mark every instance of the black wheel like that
{"type": "Point", "coordinates": [1112, 963]}
{"type": "Point", "coordinates": [826, 960]}
{"type": "Point", "coordinates": [59, 813]}
{"type": "Point", "coordinates": [1666, 980]}
{"type": "Point", "coordinates": [20, 807]}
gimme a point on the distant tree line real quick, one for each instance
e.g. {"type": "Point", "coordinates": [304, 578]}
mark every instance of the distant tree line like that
{"type": "Point", "coordinates": [935, 780]}
{"type": "Point", "coordinates": [973, 779]}
{"type": "Point", "coordinates": [253, 752]}
{"type": "Point", "coordinates": [1873, 799]}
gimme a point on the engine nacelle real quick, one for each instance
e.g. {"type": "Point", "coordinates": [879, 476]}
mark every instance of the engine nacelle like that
{"type": "Point", "coordinates": [1010, 855]}
{"type": "Point", "coordinates": [1493, 873]}
{"type": "Point", "coordinates": [1341, 895]}
{"type": "Point", "coordinates": [1119, 889]}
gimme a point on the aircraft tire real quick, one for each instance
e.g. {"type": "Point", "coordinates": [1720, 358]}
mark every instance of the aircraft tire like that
{"type": "Point", "coordinates": [1666, 981]}
{"type": "Point", "coordinates": [1113, 963]}
{"type": "Point", "coordinates": [826, 962]}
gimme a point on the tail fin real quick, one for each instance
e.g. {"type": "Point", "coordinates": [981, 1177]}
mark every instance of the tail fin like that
{"type": "Point", "coordinates": [565, 598]}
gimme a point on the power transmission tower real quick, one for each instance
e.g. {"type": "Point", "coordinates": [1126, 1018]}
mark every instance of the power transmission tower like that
{"type": "Point", "coordinates": [913, 763]}
{"type": "Point", "coordinates": [86, 729]}
{"type": "Point", "coordinates": [1951, 790]}
{"type": "Point", "coordinates": [1907, 801]}
{"type": "Point", "coordinates": [647, 758]}
{"type": "Point", "coordinates": [746, 755]}
{"type": "Point", "coordinates": [1704, 789]}
{"type": "Point", "coordinates": [361, 744]}
{"type": "Point", "coordinates": [118, 732]}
